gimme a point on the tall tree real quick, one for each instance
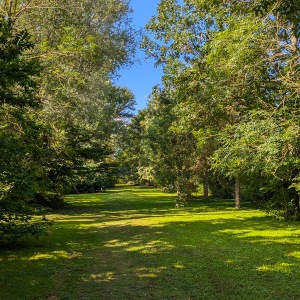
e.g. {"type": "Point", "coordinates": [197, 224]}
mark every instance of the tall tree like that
{"type": "Point", "coordinates": [22, 136]}
{"type": "Point", "coordinates": [166, 156]}
{"type": "Point", "coordinates": [82, 46]}
{"type": "Point", "coordinates": [231, 62]}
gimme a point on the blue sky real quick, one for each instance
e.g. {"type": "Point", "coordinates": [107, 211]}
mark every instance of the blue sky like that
{"type": "Point", "coordinates": [141, 77]}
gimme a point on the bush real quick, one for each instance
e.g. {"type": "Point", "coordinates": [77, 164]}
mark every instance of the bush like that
{"type": "Point", "coordinates": [19, 223]}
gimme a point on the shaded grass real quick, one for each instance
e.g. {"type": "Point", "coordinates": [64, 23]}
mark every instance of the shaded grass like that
{"type": "Point", "coordinates": [131, 243]}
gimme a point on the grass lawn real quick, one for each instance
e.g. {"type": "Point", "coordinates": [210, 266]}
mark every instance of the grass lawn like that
{"type": "Point", "coordinates": [132, 243]}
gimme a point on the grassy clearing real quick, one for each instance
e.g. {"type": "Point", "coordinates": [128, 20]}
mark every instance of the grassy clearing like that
{"type": "Point", "coordinates": [131, 243]}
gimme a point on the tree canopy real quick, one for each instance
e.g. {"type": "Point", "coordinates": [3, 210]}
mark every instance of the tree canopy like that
{"type": "Point", "coordinates": [59, 106]}
{"type": "Point", "coordinates": [232, 70]}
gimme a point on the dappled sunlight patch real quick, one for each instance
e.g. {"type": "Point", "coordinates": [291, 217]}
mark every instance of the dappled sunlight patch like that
{"type": "Point", "coordinates": [243, 232]}
{"type": "Point", "coordinates": [80, 220]}
{"type": "Point", "coordinates": [295, 254]}
{"type": "Point", "coordinates": [217, 216]}
{"type": "Point", "coordinates": [127, 223]}
{"type": "Point", "coordinates": [151, 247]}
{"type": "Point", "coordinates": [138, 245]}
{"type": "Point", "coordinates": [149, 272]}
{"type": "Point", "coordinates": [53, 255]}
{"type": "Point", "coordinates": [103, 277]}
{"type": "Point", "coordinates": [279, 267]}
{"type": "Point", "coordinates": [229, 261]}
{"type": "Point", "coordinates": [116, 243]}
{"type": "Point", "coordinates": [157, 194]}
{"type": "Point", "coordinates": [280, 236]}
{"type": "Point", "coordinates": [178, 266]}
{"type": "Point", "coordinates": [217, 222]}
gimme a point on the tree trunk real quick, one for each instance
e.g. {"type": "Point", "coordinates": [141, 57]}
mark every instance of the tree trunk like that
{"type": "Point", "coordinates": [178, 186]}
{"type": "Point", "coordinates": [297, 203]}
{"type": "Point", "coordinates": [237, 193]}
{"type": "Point", "coordinates": [205, 187]}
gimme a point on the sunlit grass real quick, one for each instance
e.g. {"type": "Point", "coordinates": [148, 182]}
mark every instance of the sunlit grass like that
{"type": "Point", "coordinates": [132, 243]}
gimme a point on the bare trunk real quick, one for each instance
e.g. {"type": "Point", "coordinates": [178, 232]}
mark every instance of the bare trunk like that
{"type": "Point", "coordinates": [237, 193]}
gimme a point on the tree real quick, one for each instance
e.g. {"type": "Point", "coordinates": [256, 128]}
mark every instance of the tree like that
{"type": "Point", "coordinates": [132, 159]}
{"type": "Point", "coordinates": [20, 133]}
{"type": "Point", "coordinates": [18, 74]}
{"type": "Point", "coordinates": [59, 121]}
{"type": "Point", "coordinates": [81, 46]}
{"type": "Point", "coordinates": [230, 62]}
{"type": "Point", "coordinates": [164, 155]}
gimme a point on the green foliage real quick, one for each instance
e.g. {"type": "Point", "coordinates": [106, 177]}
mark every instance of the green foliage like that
{"type": "Point", "coordinates": [81, 109]}
{"type": "Point", "coordinates": [285, 9]}
{"type": "Point", "coordinates": [165, 155]}
{"type": "Point", "coordinates": [21, 138]}
{"type": "Point", "coordinates": [18, 223]}
{"type": "Point", "coordinates": [233, 69]}
{"type": "Point", "coordinates": [83, 46]}
{"type": "Point", "coordinates": [18, 74]}
{"type": "Point", "coordinates": [265, 147]}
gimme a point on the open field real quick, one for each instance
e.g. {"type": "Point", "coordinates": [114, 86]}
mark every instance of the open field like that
{"type": "Point", "coordinates": [132, 243]}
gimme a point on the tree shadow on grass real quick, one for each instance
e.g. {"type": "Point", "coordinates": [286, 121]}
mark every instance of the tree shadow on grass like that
{"type": "Point", "coordinates": [120, 202]}
{"type": "Point", "coordinates": [149, 252]}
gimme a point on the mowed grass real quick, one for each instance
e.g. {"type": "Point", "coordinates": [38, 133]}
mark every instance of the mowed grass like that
{"type": "Point", "coordinates": [132, 243]}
